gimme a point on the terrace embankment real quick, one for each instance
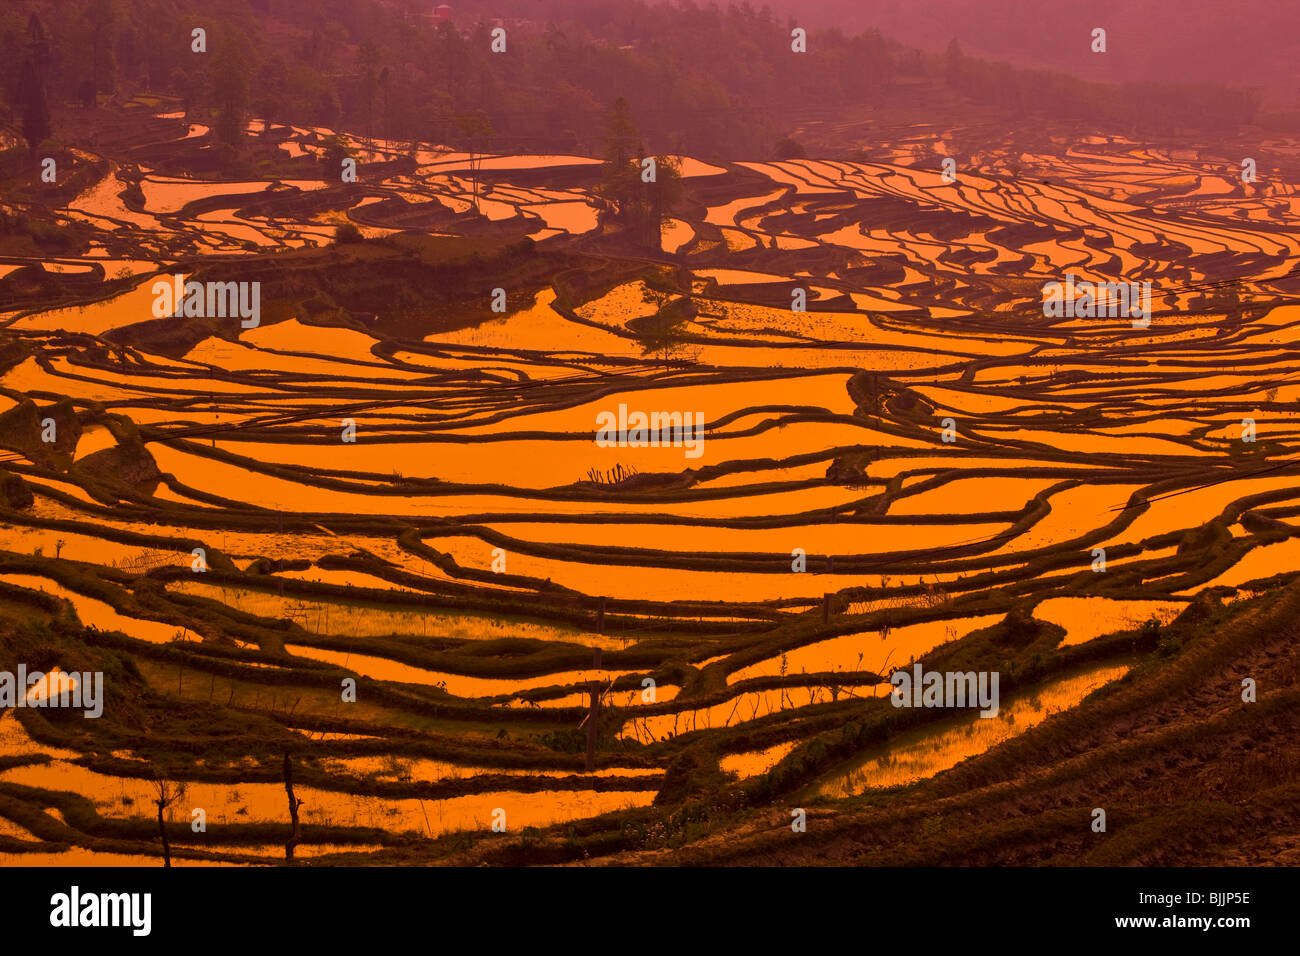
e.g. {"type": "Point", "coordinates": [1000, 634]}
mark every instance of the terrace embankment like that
{"type": "Point", "coordinates": [1187, 772]}
{"type": "Point", "coordinates": [375, 532]}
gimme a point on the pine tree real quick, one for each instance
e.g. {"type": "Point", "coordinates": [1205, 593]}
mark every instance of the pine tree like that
{"type": "Point", "coordinates": [620, 175]}
{"type": "Point", "coordinates": [32, 94]}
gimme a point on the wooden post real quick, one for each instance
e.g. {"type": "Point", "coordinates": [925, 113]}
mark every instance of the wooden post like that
{"type": "Point", "coordinates": [600, 618]}
{"type": "Point", "coordinates": [295, 836]}
{"type": "Point", "coordinates": [826, 608]}
{"type": "Point", "coordinates": [593, 687]}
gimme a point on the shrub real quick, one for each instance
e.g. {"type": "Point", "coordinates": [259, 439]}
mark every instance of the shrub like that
{"type": "Point", "coordinates": [347, 232]}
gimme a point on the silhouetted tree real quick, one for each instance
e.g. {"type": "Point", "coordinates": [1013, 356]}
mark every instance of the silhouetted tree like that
{"type": "Point", "coordinates": [230, 73]}
{"type": "Point", "coordinates": [788, 148]}
{"type": "Point", "coordinates": [32, 94]}
{"type": "Point", "coordinates": [272, 81]}
{"type": "Point", "coordinates": [102, 21]}
{"type": "Point", "coordinates": [475, 130]}
{"type": "Point", "coordinates": [368, 62]}
{"type": "Point", "coordinates": [168, 792]}
{"type": "Point", "coordinates": [295, 834]}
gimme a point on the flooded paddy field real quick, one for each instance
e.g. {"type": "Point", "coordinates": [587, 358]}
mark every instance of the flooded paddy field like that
{"type": "Point", "coordinates": [376, 542]}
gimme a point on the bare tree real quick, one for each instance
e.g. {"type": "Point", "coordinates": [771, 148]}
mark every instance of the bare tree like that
{"type": "Point", "coordinates": [475, 131]}
{"type": "Point", "coordinates": [295, 837]}
{"type": "Point", "coordinates": [168, 792]}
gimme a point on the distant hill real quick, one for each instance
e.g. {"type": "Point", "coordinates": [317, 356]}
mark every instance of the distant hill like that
{"type": "Point", "coordinates": [711, 80]}
{"type": "Point", "coordinates": [1246, 43]}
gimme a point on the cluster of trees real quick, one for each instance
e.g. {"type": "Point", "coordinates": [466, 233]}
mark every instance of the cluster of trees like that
{"type": "Point", "coordinates": [707, 80]}
{"type": "Point", "coordinates": [637, 190]}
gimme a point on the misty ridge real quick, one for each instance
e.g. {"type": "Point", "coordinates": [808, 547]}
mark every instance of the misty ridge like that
{"type": "Point", "coordinates": [712, 80]}
{"type": "Point", "coordinates": [1253, 43]}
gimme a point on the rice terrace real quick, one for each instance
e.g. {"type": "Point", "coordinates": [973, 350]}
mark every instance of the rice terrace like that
{"type": "Point", "coordinates": [638, 442]}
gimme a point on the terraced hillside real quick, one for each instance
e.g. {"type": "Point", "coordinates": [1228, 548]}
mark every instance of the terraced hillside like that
{"type": "Point", "coordinates": [386, 482]}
